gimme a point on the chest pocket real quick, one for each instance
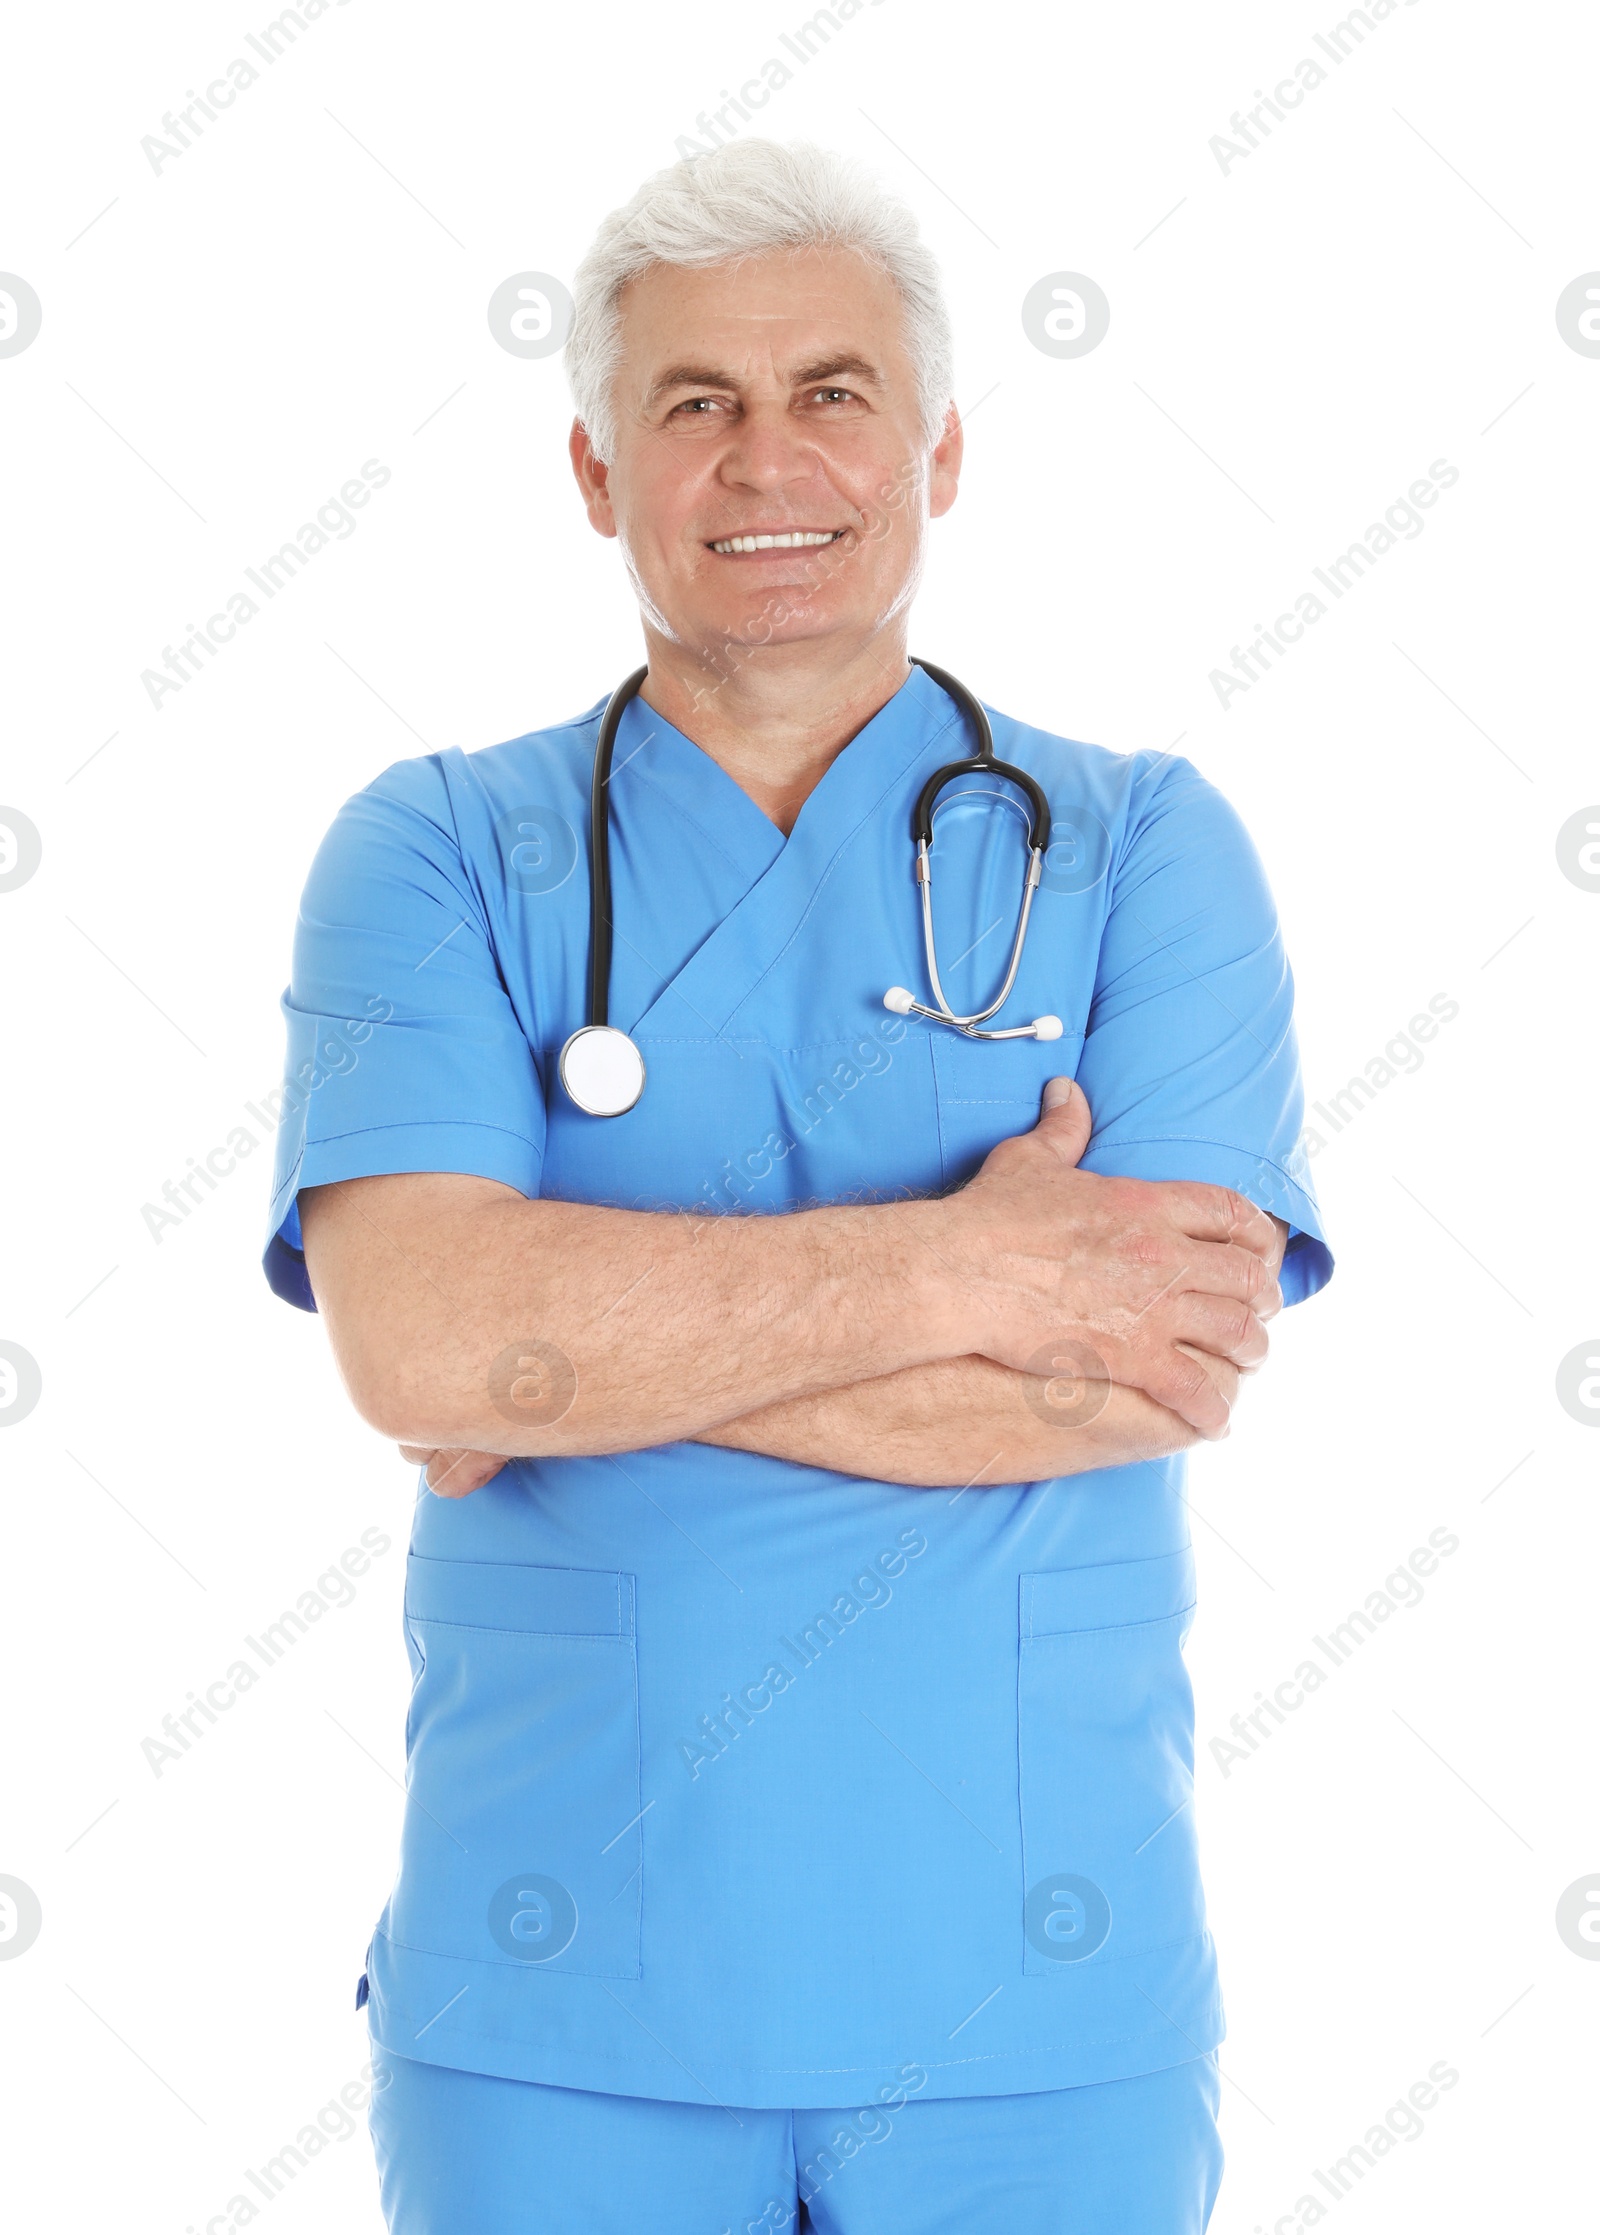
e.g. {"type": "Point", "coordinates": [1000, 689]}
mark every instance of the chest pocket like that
{"type": "Point", "coordinates": [987, 1090]}
{"type": "Point", "coordinates": [522, 1842]}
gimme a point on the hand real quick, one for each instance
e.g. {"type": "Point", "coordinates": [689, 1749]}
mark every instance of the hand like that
{"type": "Point", "coordinates": [1170, 1283]}
{"type": "Point", "coordinates": [453, 1474]}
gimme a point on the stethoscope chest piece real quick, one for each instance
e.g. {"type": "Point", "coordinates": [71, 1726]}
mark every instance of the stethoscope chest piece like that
{"type": "Point", "coordinates": [601, 1070]}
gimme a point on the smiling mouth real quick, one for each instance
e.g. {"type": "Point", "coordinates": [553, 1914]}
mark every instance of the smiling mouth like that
{"type": "Point", "coordinates": [797, 539]}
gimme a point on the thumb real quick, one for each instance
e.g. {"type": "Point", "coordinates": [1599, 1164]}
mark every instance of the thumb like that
{"type": "Point", "coordinates": [1064, 1118]}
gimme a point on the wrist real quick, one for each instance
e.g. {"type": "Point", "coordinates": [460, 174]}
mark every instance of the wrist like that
{"type": "Point", "coordinates": [938, 1302]}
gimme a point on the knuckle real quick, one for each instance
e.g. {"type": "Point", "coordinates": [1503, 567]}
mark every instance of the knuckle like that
{"type": "Point", "coordinates": [1232, 1208]}
{"type": "Point", "coordinates": [1187, 1379]}
{"type": "Point", "coordinates": [1253, 1274]}
{"type": "Point", "coordinates": [1244, 1329]}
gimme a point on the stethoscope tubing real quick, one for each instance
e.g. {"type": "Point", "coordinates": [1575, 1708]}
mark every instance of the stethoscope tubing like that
{"type": "Point", "coordinates": [600, 848]}
{"type": "Point", "coordinates": [983, 762]}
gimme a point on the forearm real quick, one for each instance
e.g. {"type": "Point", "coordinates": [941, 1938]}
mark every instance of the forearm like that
{"type": "Point", "coordinates": [955, 1422]}
{"type": "Point", "coordinates": [464, 1315]}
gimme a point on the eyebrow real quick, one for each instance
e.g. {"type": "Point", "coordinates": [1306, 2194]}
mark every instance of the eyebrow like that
{"type": "Point", "coordinates": [809, 376]}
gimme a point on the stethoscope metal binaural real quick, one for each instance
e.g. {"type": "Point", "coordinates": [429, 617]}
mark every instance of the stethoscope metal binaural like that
{"type": "Point", "coordinates": [601, 1067]}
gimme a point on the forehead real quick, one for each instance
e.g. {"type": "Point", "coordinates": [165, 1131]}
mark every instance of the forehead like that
{"type": "Point", "coordinates": [783, 309]}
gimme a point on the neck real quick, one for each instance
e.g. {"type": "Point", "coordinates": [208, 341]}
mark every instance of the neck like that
{"type": "Point", "coordinates": [775, 717]}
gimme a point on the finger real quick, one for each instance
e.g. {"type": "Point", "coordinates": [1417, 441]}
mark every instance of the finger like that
{"type": "Point", "coordinates": [1225, 1269]}
{"type": "Point", "coordinates": [418, 1453]}
{"type": "Point", "coordinates": [1064, 1122]}
{"type": "Point", "coordinates": [1136, 1427]}
{"type": "Point", "coordinates": [1219, 1327]}
{"type": "Point", "coordinates": [1218, 1214]}
{"type": "Point", "coordinates": [1224, 1380]}
{"type": "Point", "coordinates": [456, 1474]}
{"type": "Point", "coordinates": [450, 1484]}
{"type": "Point", "coordinates": [1197, 1387]}
{"type": "Point", "coordinates": [455, 1485]}
{"type": "Point", "coordinates": [477, 1469]}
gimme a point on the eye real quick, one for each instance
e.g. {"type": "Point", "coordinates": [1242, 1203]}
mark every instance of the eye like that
{"type": "Point", "coordinates": [833, 395]}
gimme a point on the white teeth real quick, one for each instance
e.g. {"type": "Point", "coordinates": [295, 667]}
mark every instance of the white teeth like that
{"type": "Point", "coordinates": [805, 540]}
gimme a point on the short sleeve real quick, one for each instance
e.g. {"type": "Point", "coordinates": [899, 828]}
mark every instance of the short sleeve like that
{"type": "Point", "coordinates": [1190, 1063]}
{"type": "Point", "coordinates": [404, 1051]}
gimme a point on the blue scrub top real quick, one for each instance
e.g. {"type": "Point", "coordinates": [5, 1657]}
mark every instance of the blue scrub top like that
{"type": "Point", "coordinates": [731, 1780]}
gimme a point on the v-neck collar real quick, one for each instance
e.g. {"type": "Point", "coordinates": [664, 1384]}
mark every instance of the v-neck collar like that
{"type": "Point", "coordinates": [652, 756]}
{"type": "Point", "coordinates": [702, 790]}
{"type": "Point", "coordinates": [789, 876]}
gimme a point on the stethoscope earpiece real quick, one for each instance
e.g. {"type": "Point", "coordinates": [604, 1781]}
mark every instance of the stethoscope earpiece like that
{"type": "Point", "coordinates": [906, 1005]}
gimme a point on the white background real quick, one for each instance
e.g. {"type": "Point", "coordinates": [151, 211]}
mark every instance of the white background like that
{"type": "Point", "coordinates": [1292, 342]}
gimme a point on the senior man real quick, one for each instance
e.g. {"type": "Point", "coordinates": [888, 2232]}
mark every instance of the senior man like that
{"type": "Point", "coordinates": [800, 1752]}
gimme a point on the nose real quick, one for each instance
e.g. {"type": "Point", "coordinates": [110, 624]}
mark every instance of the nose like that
{"type": "Point", "coordinates": [768, 451]}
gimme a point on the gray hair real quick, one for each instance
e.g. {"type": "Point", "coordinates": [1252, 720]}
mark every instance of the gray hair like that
{"type": "Point", "coordinates": [749, 198]}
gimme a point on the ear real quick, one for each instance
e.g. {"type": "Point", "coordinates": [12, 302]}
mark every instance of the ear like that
{"type": "Point", "coordinates": [593, 479]}
{"type": "Point", "coordinates": [945, 474]}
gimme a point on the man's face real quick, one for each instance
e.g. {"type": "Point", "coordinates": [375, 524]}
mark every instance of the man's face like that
{"type": "Point", "coordinates": [772, 397]}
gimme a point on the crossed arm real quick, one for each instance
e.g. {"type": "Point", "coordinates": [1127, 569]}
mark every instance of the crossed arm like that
{"type": "Point", "coordinates": [1043, 1321]}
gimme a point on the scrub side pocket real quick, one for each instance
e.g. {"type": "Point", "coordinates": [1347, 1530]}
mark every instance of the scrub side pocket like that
{"type": "Point", "coordinates": [1105, 1721]}
{"type": "Point", "coordinates": [522, 1843]}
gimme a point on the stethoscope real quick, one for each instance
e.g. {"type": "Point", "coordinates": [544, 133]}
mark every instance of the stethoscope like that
{"type": "Point", "coordinates": [600, 1066]}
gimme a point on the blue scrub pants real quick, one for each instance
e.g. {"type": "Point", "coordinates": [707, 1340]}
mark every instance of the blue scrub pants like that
{"type": "Point", "coordinates": [464, 2153]}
